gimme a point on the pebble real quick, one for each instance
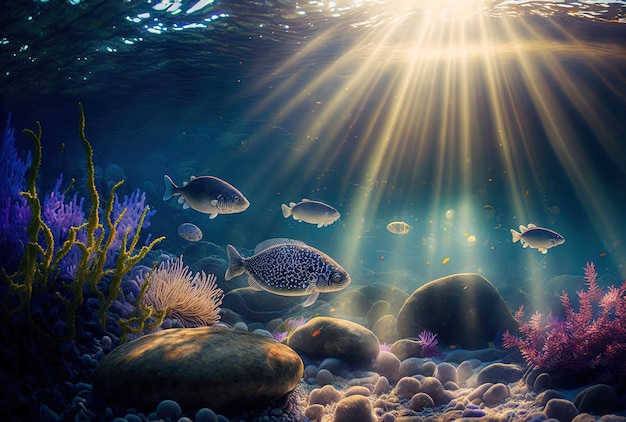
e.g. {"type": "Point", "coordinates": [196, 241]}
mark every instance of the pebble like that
{"type": "Point", "coordinates": [205, 415]}
{"type": "Point", "coordinates": [561, 409]}
{"type": "Point", "coordinates": [169, 409]}
{"type": "Point", "coordinates": [354, 409]}
{"type": "Point", "coordinates": [495, 394]}
{"type": "Point", "coordinates": [324, 377]}
{"type": "Point", "coordinates": [407, 387]}
{"type": "Point", "coordinates": [421, 401]}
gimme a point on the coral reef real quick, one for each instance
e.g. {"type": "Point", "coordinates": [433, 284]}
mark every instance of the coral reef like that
{"type": "Point", "coordinates": [68, 272]}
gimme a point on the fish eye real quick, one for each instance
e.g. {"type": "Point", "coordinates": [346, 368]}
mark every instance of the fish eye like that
{"type": "Point", "coordinates": [236, 198]}
{"type": "Point", "coordinates": [336, 278]}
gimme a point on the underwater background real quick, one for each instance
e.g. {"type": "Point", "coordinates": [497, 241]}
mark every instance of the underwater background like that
{"type": "Point", "coordinates": [462, 119]}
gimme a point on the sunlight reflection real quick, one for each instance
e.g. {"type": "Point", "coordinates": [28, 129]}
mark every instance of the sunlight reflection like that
{"type": "Point", "coordinates": [417, 104]}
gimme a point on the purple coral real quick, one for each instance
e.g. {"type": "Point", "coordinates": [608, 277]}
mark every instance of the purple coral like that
{"type": "Point", "coordinates": [590, 341]}
{"type": "Point", "coordinates": [14, 210]}
{"type": "Point", "coordinates": [428, 341]}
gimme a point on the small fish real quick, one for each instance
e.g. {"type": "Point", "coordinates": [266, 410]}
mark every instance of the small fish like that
{"type": "Point", "coordinates": [445, 260]}
{"type": "Point", "coordinates": [289, 268]}
{"type": "Point", "coordinates": [398, 227]}
{"type": "Point", "coordinates": [537, 237]}
{"type": "Point", "coordinates": [317, 332]}
{"type": "Point", "coordinates": [207, 194]}
{"type": "Point", "coordinates": [190, 232]}
{"type": "Point", "coordinates": [313, 212]}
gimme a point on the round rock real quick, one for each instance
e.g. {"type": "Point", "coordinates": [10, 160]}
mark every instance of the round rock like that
{"type": "Point", "coordinates": [464, 309]}
{"type": "Point", "coordinates": [324, 337]}
{"type": "Point", "coordinates": [212, 367]}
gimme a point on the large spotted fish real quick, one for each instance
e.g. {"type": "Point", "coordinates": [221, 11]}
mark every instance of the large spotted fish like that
{"type": "Point", "coordinates": [207, 194]}
{"type": "Point", "coordinates": [289, 268]}
{"type": "Point", "coordinates": [539, 238]}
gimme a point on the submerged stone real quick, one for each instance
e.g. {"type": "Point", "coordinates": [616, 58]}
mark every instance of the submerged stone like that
{"type": "Point", "coordinates": [212, 367]}
{"type": "Point", "coordinates": [462, 309]}
{"type": "Point", "coordinates": [324, 337]}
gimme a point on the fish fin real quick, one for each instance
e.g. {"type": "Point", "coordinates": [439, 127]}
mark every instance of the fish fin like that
{"type": "Point", "coordinates": [543, 251]}
{"type": "Point", "coordinates": [523, 229]}
{"type": "Point", "coordinates": [286, 210]}
{"type": "Point", "coordinates": [320, 225]}
{"type": "Point", "coordinates": [311, 299]}
{"type": "Point", "coordinates": [212, 216]}
{"type": "Point", "coordinates": [515, 235]}
{"type": "Point", "coordinates": [170, 188]}
{"type": "Point", "coordinates": [181, 199]}
{"type": "Point", "coordinates": [525, 244]}
{"type": "Point", "coordinates": [235, 263]}
{"type": "Point", "coordinates": [266, 244]}
{"type": "Point", "coordinates": [192, 178]}
{"type": "Point", "coordinates": [530, 226]}
{"type": "Point", "coordinates": [306, 200]}
{"type": "Point", "coordinates": [185, 205]}
{"type": "Point", "coordinates": [254, 285]}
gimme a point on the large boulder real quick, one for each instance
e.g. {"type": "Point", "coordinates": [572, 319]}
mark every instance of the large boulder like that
{"type": "Point", "coordinates": [462, 309]}
{"type": "Point", "coordinates": [324, 337]}
{"type": "Point", "coordinates": [212, 367]}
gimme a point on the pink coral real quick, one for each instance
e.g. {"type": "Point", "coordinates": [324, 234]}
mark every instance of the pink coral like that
{"type": "Point", "coordinates": [590, 341]}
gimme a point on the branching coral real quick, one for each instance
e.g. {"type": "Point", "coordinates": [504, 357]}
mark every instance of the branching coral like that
{"type": "Point", "coordinates": [590, 341]}
{"type": "Point", "coordinates": [190, 300]}
{"type": "Point", "coordinates": [36, 279]}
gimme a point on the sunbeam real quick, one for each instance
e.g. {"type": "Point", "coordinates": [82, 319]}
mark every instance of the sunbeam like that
{"type": "Point", "coordinates": [406, 112]}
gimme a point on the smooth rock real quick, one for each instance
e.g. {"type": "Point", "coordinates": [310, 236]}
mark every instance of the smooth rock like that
{"type": "Point", "coordinates": [561, 409]}
{"type": "Point", "coordinates": [387, 365]}
{"type": "Point", "coordinates": [598, 399]}
{"type": "Point", "coordinates": [213, 367]}
{"type": "Point", "coordinates": [324, 337]}
{"type": "Point", "coordinates": [464, 309]}
{"type": "Point", "coordinates": [542, 382]}
{"type": "Point", "coordinates": [407, 387]}
{"type": "Point", "coordinates": [354, 409]}
{"type": "Point", "coordinates": [385, 329]}
{"type": "Point", "coordinates": [406, 348]}
{"type": "Point", "coordinates": [495, 394]}
{"type": "Point", "coordinates": [324, 396]}
{"type": "Point", "coordinates": [421, 401]}
{"type": "Point", "coordinates": [446, 372]}
{"type": "Point", "coordinates": [500, 372]}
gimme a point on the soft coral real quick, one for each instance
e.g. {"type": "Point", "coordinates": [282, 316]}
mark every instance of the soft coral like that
{"type": "Point", "coordinates": [587, 342]}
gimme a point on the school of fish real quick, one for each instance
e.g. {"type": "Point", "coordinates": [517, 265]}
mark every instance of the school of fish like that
{"type": "Point", "coordinates": [290, 267]}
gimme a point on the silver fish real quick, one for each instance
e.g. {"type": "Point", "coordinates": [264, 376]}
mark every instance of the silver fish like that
{"type": "Point", "coordinates": [207, 194]}
{"type": "Point", "coordinates": [190, 232]}
{"type": "Point", "coordinates": [314, 212]}
{"type": "Point", "coordinates": [289, 268]}
{"type": "Point", "coordinates": [539, 238]}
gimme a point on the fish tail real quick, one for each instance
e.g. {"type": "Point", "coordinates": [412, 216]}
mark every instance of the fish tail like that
{"type": "Point", "coordinates": [235, 261]}
{"type": "Point", "coordinates": [286, 210]}
{"type": "Point", "coordinates": [516, 236]}
{"type": "Point", "coordinates": [170, 188]}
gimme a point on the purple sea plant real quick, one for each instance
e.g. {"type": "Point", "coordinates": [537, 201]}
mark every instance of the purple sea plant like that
{"type": "Point", "coordinates": [428, 340]}
{"type": "Point", "coordinates": [588, 342]}
{"type": "Point", "coordinates": [14, 210]}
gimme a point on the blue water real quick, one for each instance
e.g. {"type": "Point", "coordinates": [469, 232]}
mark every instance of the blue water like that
{"type": "Point", "coordinates": [459, 121]}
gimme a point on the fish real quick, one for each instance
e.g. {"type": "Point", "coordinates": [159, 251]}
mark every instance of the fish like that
{"type": "Point", "coordinates": [313, 212]}
{"type": "Point", "coordinates": [538, 238]}
{"type": "Point", "coordinates": [288, 267]}
{"type": "Point", "coordinates": [207, 194]}
{"type": "Point", "coordinates": [398, 227]}
{"type": "Point", "coordinates": [190, 232]}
